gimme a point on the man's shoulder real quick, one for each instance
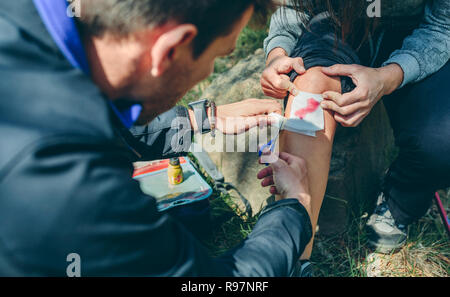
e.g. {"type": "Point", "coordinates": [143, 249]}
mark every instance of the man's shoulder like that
{"type": "Point", "coordinates": [58, 194]}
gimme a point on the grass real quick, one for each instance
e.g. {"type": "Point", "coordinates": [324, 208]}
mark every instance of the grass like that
{"type": "Point", "coordinates": [248, 42]}
{"type": "Point", "coordinates": [229, 227]}
{"type": "Point", "coordinates": [427, 252]}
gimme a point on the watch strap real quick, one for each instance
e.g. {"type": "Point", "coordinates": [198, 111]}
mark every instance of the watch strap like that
{"type": "Point", "coordinates": [200, 113]}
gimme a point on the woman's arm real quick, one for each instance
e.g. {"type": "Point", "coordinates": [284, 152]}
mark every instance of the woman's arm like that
{"type": "Point", "coordinates": [428, 48]}
{"type": "Point", "coordinates": [285, 30]}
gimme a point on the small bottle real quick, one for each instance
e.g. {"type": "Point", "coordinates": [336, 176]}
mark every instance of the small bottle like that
{"type": "Point", "coordinates": [174, 172]}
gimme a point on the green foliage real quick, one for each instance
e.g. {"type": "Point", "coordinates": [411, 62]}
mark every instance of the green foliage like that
{"type": "Point", "coordinates": [229, 228]}
{"type": "Point", "coordinates": [248, 42]}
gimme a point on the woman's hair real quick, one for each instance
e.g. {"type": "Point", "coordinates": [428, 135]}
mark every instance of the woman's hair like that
{"type": "Point", "coordinates": [349, 17]}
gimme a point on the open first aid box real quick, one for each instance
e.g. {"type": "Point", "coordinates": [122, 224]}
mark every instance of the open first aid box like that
{"type": "Point", "coordinates": [153, 179]}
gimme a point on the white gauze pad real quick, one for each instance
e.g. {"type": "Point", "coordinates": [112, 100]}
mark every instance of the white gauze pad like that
{"type": "Point", "coordinates": [306, 116]}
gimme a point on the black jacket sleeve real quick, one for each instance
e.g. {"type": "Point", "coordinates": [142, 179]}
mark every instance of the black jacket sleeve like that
{"type": "Point", "coordinates": [275, 244]}
{"type": "Point", "coordinates": [169, 135]}
{"type": "Point", "coordinates": [88, 204]}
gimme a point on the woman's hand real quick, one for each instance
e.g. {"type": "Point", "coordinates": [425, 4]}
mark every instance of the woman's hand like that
{"type": "Point", "coordinates": [371, 84]}
{"type": "Point", "coordinates": [274, 80]}
{"type": "Point", "coordinates": [288, 178]}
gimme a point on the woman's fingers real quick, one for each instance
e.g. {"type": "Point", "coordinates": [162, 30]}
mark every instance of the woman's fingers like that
{"type": "Point", "coordinates": [350, 108]}
{"type": "Point", "coordinates": [352, 120]}
{"type": "Point", "coordinates": [346, 110]}
{"type": "Point", "coordinates": [275, 82]}
{"type": "Point", "coordinates": [343, 99]}
{"type": "Point", "coordinates": [282, 83]}
{"type": "Point", "coordinates": [298, 66]}
{"type": "Point", "coordinates": [340, 70]}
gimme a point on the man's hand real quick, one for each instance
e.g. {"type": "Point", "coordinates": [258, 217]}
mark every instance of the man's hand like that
{"type": "Point", "coordinates": [274, 80]}
{"type": "Point", "coordinates": [371, 85]}
{"type": "Point", "coordinates": [238, 117]}
{"type": "Point", "coordinates": [288, 178]}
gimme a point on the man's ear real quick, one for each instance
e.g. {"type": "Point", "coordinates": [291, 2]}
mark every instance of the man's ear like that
{"type": "Point", "coordinates": [166, 45]}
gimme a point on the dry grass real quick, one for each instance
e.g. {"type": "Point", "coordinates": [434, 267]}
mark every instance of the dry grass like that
{"type": "Point", "coordinates": [410, 261]}
{"type": "Point", "coordinates": [426, 254]}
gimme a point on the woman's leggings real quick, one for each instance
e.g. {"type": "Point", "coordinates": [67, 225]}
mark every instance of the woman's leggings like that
{"type": "Point", "coordinates": [420, 117]}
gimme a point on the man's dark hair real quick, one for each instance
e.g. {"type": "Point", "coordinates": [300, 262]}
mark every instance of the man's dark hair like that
{"type": "Point", "coordinates": [213, 18]}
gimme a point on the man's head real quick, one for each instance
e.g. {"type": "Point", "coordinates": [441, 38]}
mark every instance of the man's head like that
{"type": "Point", "coordinates": [154, 51]}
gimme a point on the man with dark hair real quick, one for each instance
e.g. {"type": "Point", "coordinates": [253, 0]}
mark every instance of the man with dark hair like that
{"type": "Point", "coordinates": [71, 90]}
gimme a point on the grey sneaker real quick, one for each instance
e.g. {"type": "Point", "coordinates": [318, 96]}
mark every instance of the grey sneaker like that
{"type": "Point", "coordinates": [384, 233]}
{"type": "Point", "coordinates": [303, 268]}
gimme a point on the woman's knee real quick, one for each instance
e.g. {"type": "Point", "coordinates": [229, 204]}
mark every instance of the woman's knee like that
{"type": "Point", "coordinates": [315, 81]}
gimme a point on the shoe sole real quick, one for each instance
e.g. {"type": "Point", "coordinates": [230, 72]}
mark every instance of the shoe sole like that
{"type": "Point", "coordinates": [386, 249]}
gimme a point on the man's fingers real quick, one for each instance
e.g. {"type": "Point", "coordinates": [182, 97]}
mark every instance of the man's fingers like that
{"type": "Point", "coordinates": [266, 106]}
{"type": "Point", "coordinates": [289, 159]}
{"type": "Point", "coordinates": [294, 162]}
{"type": "Point", "coordinates": [267, 171]}
{"type": "Point", "coordinates": [267, 181]}
{"type": "Point", "coordinates": [278, 164]}
{"type": "Point", "coordinates": [339, 70]}
{"type": "Point", "coordinates": [273, 190]}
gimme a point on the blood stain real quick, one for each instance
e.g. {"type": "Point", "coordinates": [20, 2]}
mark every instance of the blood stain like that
{"type": "Point", "coordinates": [311, 107]}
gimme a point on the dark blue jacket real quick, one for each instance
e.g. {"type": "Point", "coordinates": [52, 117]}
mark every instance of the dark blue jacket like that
{"type": "Point", "coordinates": [66, 185]}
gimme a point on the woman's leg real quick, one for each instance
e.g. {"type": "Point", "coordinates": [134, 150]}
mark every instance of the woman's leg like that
{"type": "Point", "coordinates": [315, 150]}
{"type": "Point", "coordinates": [420, 117]}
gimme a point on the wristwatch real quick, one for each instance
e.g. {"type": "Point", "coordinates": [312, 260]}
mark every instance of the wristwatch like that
{"type": "Point", "coordinates": [201, 116]}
